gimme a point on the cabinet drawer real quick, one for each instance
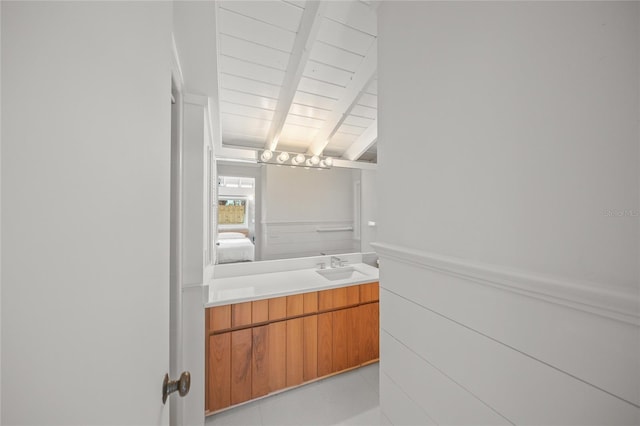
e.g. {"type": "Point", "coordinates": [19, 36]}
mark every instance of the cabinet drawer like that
{"type": "Point", "coordinates": [220, 318]}
{"type": "Point", "coordinates": [241, 314]}
{"type": "Point", "coordinates": [338, 297]}
{"type": "Point", "coordinates": [369, 292]}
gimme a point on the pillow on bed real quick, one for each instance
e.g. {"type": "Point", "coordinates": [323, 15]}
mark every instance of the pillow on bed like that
{"type": "Point", "coordinates": [230, 235]}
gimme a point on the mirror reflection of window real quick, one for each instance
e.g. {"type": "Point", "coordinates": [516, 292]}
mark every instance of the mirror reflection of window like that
{"type": "Point", "coordinates": [232, 211]}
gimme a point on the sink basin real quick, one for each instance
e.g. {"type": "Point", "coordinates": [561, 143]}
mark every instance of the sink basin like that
{"type": "Point", "coordinates": [335, 274]}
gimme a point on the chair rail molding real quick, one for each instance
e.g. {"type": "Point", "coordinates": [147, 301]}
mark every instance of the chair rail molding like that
{"type": "Point", "coordinates": [614, 303]}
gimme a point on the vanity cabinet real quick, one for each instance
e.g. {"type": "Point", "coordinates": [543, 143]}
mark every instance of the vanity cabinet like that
{"type": "Point", "coordinates": [260, 347]}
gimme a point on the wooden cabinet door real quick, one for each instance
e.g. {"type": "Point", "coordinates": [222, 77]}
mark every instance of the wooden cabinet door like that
{"type": "Point", "coordinates": [325, 343]}
{"type": "Point", "coordinates": [295, 305]}
{"type": "Point", "coordinates": [259, 362]}
{"type": "Point", "coordinates": [340, 337]}
{"type": "Point", "coordinates": [277, 355]}
{"type": "Point", "coordinates": [241, 366]}
{"type": "Point", "coordinates": [295, 351]}
{"type": "Point", "coordinates": [370, 329]}
{"type": "Point", "coordinates": [354, 323]}
{"type": "Point", "coordinates": [310, 348]}
{"type": "Point", "coordinates": [219, 394]}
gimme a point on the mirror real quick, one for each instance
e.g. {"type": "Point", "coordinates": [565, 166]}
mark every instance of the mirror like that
{"type": "Point", "coordinates": [268, 212]}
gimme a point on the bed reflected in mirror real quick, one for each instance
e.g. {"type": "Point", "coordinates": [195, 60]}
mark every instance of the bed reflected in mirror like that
{"type": "Point", "coordinates": [236, 219]}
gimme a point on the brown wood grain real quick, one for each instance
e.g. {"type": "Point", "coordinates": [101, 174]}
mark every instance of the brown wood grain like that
{"type": "Point", "coordinates": [241, 365]}
{"type": "Point", "coordinates": [277, 355]}
{"type": "Point", "coordinates": [295, 351]}
{"type": "Point", "coordinates": [353, 295]}
{"type": "Point", "coordinates": [369, 292]}
{"type": "Point", "coordinates": [325, 343]}
{"type": "Point", "coordinates": [220, 318]}
{"type": "Point", "coordinates": [369, 332]}
{"type": "Point", "coordinates": [219, 371]}
{"type": "Point", "coordinates": [325, 300]}
{"type": "Point", "coordinates": [310, 302]}
{"type": "Point", "coordinates": [310, 348]}
{"type": "Point", "coordinates": [339, 347]}
{"type": "Point", "coordinates": [277, 308]}
{"type": "Point", "coordinates": [259, 311]}
{"type": "Point", "coordinates": [295, 305]}
{"type": "Point", "coordinates": [354, 325]}
{"type": "Point", "coordinates": [240, 314]}
{"type": "Point", "coordinates": [259, 362]}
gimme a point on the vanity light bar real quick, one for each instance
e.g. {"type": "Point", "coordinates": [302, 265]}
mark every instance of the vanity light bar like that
{"type": "Point", "coordinates": [298, 160]}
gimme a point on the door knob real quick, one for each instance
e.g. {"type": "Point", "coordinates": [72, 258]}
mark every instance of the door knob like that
{"type": "Point", "coordinates": [181, 385]}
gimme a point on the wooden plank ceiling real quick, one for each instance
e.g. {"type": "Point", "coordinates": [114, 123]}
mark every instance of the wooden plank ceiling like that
{"type": "Point", "coordinates": [299, 76]}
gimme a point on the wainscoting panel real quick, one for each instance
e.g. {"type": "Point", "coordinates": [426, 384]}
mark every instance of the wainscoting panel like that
{"type": "Point", "coordinates": [438, 396]}
{"type": "Point", "coordinates": [399, 409]}
{"type": "Point", "coordinates": [281, 240]}
{"type": "Point", "coordinates": [520, 388]}
{"type": "Point", "coordinates": [601, 350]}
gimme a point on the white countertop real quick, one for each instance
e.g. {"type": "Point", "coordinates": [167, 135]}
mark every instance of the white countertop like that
{"type": "Point", "coordinates": [223, 291]}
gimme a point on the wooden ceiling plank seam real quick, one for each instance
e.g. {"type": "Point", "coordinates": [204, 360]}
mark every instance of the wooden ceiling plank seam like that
{"type": "Point", "coordinates": [338, 34]}
{"type": "Point", "coordinates": [326, 64]}
{"type": "Point", "coordinates": [308, 30]}
{"type": "Point", "coordinates": [293, 4]}
{"type": "Point", "coordinates": [316, 94]}
{"type": "Point", "coordinates": [361, 80]}
{"type": "Point", "coordinates": [254, 42]}
{"type": "Point", "coordinates": [235, 114]}
{"type": "Point", "coordinates": [250, 62]}
{"type": "Point", "coordinates": [277, 13]}
{"type": "Point", "coordinates": [336, 56]}
{"type": "Point", "coordinates": [244, 105]}
{"type": "Point", "coordinates": [248, 93]}
{"type": "Point", "coordinates": [363, 143]}
{"type": "Point", "coordinates": [346, 24]}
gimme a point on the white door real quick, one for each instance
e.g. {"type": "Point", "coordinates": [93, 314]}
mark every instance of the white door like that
{"type": "Point", "coordinates": [85, 212]}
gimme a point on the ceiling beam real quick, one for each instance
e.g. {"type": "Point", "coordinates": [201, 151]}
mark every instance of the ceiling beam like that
{"type": "Point", "coordinates": [363, 143]}
{"type": "Point", "coordinates": [359, 83]}
{"type": "Point", "coordinates": [307, 32]}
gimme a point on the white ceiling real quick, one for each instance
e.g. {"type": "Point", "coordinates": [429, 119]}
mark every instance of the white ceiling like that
{"type": "Point", "coordinates": [305, 71]}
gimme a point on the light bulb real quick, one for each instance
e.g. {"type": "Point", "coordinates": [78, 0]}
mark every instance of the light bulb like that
{"type": "Point", "coordinates": [266, 155]}
{"type": "Point", "coordinates": [315, 160]}
{"type": "Point", "coordinates": [299, 158]}
{"type": "Point", "coordinates": [328, 161]}
{"type": "Point", "coordinates": [284, 156]}
{"type": "Point", "coordinates": [309, 162]}
{"type": "Point", "coordinates": [323, 163]}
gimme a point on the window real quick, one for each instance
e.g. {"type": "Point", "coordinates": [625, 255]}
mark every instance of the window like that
{"type": "Point", "coordinates": [232, 211]}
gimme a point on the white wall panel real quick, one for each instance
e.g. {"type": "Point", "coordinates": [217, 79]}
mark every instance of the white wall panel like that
{"type": "Point", "coordinates": [519, 387]}
{"type": "Point", "coordinates": [553, 333]}
{"type": "Point", "coordinates": [398, 408]}
{"type": "Point", "coordinates": [444, 400]}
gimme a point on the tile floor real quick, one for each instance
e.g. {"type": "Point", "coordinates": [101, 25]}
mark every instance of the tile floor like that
{"type": "Point", "coordinates": [345, 399]}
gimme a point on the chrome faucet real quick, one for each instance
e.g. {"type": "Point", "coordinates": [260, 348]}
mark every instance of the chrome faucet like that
{"type": "Point", "coordinates": [335, 261]}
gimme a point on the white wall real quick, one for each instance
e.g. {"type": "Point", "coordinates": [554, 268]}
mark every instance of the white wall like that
{"type": "Point", "coordinates": [519, 124]}
{"type": "Point", "coordinates": [297, 201]}
{"type": "Point", "coordinates": [85, 212]}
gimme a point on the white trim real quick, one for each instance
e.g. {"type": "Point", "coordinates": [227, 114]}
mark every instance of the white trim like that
{"type": "Point", "coordinates": [193, 99]}
{"type": "Point", "coordinates": [176, 68]}
{"type": "Point", "coordinates": [617, 304]}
